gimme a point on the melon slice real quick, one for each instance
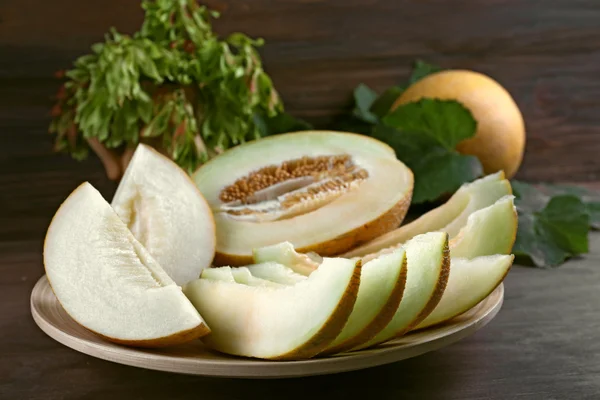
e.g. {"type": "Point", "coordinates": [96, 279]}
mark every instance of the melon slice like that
{"type": "Point", "coordinates": [276, 272]}
{"type": "Point", "coordinates": [450, 217]}
{"type": "Point", "coordinates": [382, 283]}
{"type": "Point", "coordinates": [218, 274]}
{"type": "Point", "coordinates": [491, 230]}
{"type": "Point", "coordinates": [239, 275]}
{"type": "Point", "coordinates": [165, 211]}
{"type": "Point", "coordinates": [108, 282]}
{"type": "Point", "coordinates": [290, 322]}
{"type": "Point", "coordinates": [469, 283]}
{"type": "Point", "coordinates": [321, 191]}
{"type": "Point", "coordinates": [285, 254]}
{"type": "Point", "coordinates": [428, 268]}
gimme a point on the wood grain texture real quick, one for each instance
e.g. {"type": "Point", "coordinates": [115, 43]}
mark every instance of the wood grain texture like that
{"type": "Point", "coordinates": [542, 345]}
{"type": "Point", "coordinates": [545, 53]}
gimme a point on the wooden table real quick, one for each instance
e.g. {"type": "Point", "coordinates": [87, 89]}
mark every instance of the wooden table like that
{"type": "Point", "coordinates": [542, 345]}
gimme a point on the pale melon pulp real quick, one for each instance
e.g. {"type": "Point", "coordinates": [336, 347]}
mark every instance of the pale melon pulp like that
{"type": "Point", "coordinates": [450, 217]}
{"type": "Point", "coordinates": [166, 212]}
{"type": "Point", "coordinates": [275, 272]}
{"type": "Point", "coordinates": [382, 283]}
{"type": "Point", "coordinates": [289, 322]}
{"type": "Point", "coordinates": [469, 283]}
{"type": "Point", "coordinates": [321, 191]}
{"type": "Point", "coordinates": [428, 267]}
{"type": "Point", "coordinates": [285, 254]}
{"type": "Point", "coordinates": [491, 230]}
{"type": "Point", "coordinates": [108, 282]}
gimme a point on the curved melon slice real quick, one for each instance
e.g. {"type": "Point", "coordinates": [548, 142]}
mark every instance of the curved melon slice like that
{"type": "Point", "coordinates": [285, 254]}
{"type": "Point", "coordinates": [218, 274]}
{"type": "Point", "coordinates": [489, 231]}
{"type": "Point", "coordinates": [275, 272]}
{"type": "Point", "coordinates": [165, 211]}
{"type": "Point", "coordinates": [382, 283]}
{"type": "Point", "coordinates": [107, 281]}
{"type": "Point", "coordinates": [450, 217]}
{"type": "Point", "coordinates": [243, 275]}
{"type": "Point", "coordinates": [240, 275]}
{"type": "Point", "coordinates": [321, 191]}
{"type": "Point", "coordinates": [427, 275]}
{"type": "Point", "coordinates": [470, 282]}
{"type": "Point", "coordinates": [292, 322]}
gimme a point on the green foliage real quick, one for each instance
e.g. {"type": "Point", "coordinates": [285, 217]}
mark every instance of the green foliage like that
{"type": "Point", "coordinates": [173, 80]}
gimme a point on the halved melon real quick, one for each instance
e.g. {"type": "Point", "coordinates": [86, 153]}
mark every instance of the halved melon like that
{"type": "Point", "coordinates": [275, 272]}
{"type": "Point", "coordinates": [470, 282]}
{"type": "Point", "coordinates": [321, 191]}
{"type": "Point", "coordinates": [450, 217]}
{"type": "Point", "coordinates": [165, 211]}
{"type": "Point", "coordinates": [382, 283]}
{"type": "Point", "coordinates": [108, 282]}
{"type": "Point", "coordinates": [427, 274]}
{"type": "Point", "coordinates": [291, 322]}
{"type": "Point", "coordinates": [285, 254]}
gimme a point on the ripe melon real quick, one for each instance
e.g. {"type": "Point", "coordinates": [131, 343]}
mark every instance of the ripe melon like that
{"type": "Point", "coordinates": [499, 142]}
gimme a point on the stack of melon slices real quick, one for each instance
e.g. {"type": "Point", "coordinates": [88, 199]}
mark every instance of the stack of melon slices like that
{"type": "Point", "coordinates": [285, 248]}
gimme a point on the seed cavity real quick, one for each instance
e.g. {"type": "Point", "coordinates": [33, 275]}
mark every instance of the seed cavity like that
{"type": "Point", "coordinates": [292, 188]}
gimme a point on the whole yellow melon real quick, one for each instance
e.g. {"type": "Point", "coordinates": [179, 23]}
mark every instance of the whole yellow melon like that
{"type": "Point", "coordinates": [499, 142]}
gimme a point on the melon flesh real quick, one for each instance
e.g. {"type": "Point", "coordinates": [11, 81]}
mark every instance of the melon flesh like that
{"type": "Point", "coordinates": [284, 253]}
{"type": "Point", "coordinates": [428, 267]}
{"type": "Point", "coordinates": [164, 210]}
{"type": "Point", "coordinates": [276, 272]}
{"type": "Point", "coordinates": [108, 282]}
{"type": "Point", "coordinates": [489, 231]}
{"type": "Point", "coordinates": [470, 282]}
{"type": "Point", "coordinates": [238, 274]}
{"type": "Point", "coordinates": [382, 283]}
{"type": "Point", "coordinates": [290, 322]}
{"type": "Point", "coordinates": [329, 222]}
{"type": "Point", "coordinates": [450, 217]}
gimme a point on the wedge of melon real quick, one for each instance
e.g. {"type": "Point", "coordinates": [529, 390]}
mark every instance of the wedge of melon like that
{"type": "Point", "coordinates": [284, 253]}
{"type": "Point", "coordinates": [489, 231]}
{"type": "Point", "coordinates": [108, 282]}
{"type": "Point", "coordinates": [382, 283]}
{"type": "Point", "coordinates": [321, 191]}
{"type": "Point", "coordinates": [291, 322]}
{"type": "Point", "coordinates": [238, 274]}
{"type": "Point", "coordinates": [470, 282]}
{"type": "Point", "coordinates": [165, 211]}
{"type": "Point", "coordinates": [218, 274]}
{"type": "Point", "coordinates": [450, 217]}
{"type": "Point", "coordinates": [427, 275]}
{"type": "Point", "coordinates": [275, 272]}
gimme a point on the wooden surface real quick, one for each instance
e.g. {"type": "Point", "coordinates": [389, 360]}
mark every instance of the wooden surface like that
{"type": "Point", "coordinates": [196, 359]}
{"type": "Point", "coordinates": [543, 344]}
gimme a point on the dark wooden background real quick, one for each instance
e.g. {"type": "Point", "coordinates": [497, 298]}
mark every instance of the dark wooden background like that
{"type": "Point", "coordinates": [546, 53]}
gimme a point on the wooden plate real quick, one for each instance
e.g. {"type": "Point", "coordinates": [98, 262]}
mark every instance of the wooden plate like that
{"type": "Point", "coordinates": [194, 358]}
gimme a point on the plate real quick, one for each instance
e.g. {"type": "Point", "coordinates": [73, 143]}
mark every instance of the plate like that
{"type": "Point", "coordinates": [196, 359]}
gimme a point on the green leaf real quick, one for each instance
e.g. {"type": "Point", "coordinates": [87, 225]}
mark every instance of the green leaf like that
{"type": "Point", "coordinates": [280, 123]}
{"type": "Point", "coordinates": [381, 106]}
{"type": "Point", "coordinates": [442, 172]}
{"type": "Point", "coordinates": [364, 97]}
{"type": "Point", "coordinates": [551, 229]}
{"type": "Point", "coordinates": [444, 122]}
{"type": "Point", "coordinates": [421, 69]}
